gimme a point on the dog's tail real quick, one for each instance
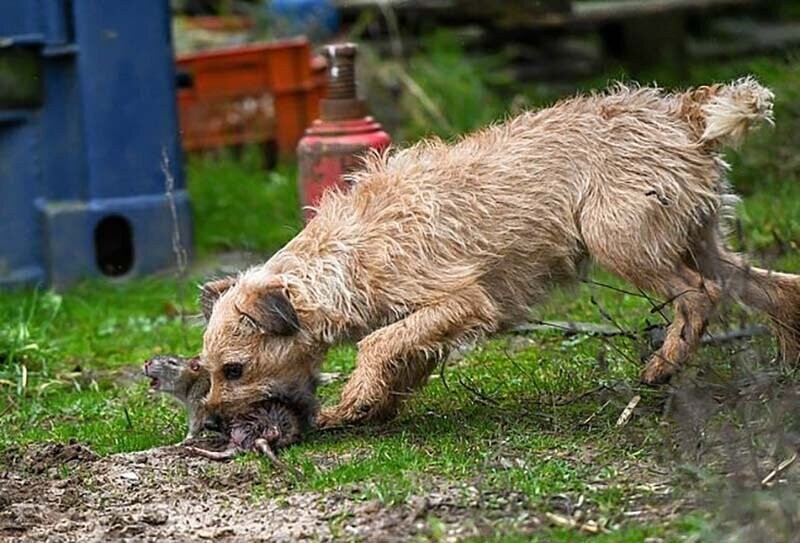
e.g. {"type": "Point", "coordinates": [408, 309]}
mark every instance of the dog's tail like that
{"type": "Point", "coordinates": [723, 114]}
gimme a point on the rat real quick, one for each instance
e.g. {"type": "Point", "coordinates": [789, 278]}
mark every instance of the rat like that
{"type": "Point", "coordinates": [185, 380]}
{"type": "Point", "coordinates": [267, 426]}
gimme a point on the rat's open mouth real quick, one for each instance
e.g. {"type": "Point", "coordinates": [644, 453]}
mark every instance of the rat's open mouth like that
{"type": "Point", "coordinates": [154, 383]}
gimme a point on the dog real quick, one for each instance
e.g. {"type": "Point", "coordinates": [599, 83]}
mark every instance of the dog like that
{"type": "Point", "coordinates": [439, 244]}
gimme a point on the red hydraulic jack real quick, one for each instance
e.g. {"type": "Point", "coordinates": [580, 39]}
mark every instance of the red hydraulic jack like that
{"type": "Point", "coordinates": [332, 145]}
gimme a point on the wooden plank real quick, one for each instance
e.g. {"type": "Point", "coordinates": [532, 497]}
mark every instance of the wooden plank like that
{"type": "Point", "coordinates": [582, 13]}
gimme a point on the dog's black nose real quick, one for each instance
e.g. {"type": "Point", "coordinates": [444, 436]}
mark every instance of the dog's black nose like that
{"type": "Point", "coordinates": [213, 423]}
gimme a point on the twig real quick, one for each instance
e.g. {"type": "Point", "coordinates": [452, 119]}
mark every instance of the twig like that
{"type": "Point", "coordinates": [733, 335]}
{"type": "Point", "coordinates": [605, 331]}
{"type": "Point", "coordinates": [181, 255]}
{"type": "Point", "coordinates": [592, 282]}
{"type": "Point", "coordinates": [588, 328]}
{"type": "Point", "coordinates": [479, 395]}
{"type": "Point", "coordinates": [658, 308]}
{"type": "Point", "coordinates": [442, 376]}
{"type": "Point", "coordinates": [778, 470]}
{"type": "Point", "coordinates": [581, 396]}
{"type": "Point", "coordinates": [591, 417]}
{"type": "Point", "coordinates": [606, 315]}
{"type": "Point", "coordinates": [628, 411]}
{"type": "Point", "coordinates": [654, 307]}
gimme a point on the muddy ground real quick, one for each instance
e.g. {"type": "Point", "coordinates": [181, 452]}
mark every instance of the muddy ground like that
{"type": "Point", "coordinates": [64, 492]}
{"type": "Point", "coordinates": [731, 454]}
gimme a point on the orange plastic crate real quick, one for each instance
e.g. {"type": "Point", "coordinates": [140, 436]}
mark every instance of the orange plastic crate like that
{"type": "Point", "coordinates": [250, 94]}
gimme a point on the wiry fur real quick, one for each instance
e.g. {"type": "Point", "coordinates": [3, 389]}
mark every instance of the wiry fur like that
{"type": "Point", "coordinates": [441, 243]}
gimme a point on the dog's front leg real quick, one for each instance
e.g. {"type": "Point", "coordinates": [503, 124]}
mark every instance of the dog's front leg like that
{"type": "Point", "coordinates": [394, 360]}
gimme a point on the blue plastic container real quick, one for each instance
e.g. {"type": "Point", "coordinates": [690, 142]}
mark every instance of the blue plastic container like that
{"type": "Point", "coordinates": [317, 19]}
{"type": "Point", "coordinates": [87, 109]}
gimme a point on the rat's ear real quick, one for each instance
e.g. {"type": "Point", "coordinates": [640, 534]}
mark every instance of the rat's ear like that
{"type": "Point", "coordinates": [211, 291]}
{"type": "Point", "coordinates": [270, 311]}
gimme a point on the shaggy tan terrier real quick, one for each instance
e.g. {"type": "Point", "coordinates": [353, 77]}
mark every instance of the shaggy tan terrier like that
{"type": "Point", "coordinates": [442, 243]}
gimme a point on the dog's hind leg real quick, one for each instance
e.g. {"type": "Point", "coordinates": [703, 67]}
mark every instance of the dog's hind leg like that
{"type": "Point", "coordinates": [640, 246]}
{"type": "Point", "coordinates": [693, 299]}
{"type": "Point", "coordinates": [396, 359]}
{"type": "Point", "coordinates": [776, 294]}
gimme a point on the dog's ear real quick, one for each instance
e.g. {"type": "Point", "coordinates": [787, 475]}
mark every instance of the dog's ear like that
{"type": "Point", "coordinates": [211, 291]}
{"type": "Point", "coordinates": [270, 311]}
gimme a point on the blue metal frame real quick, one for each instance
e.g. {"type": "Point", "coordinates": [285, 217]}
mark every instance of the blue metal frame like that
{"type": "Point", "coordinates": [94, 148]}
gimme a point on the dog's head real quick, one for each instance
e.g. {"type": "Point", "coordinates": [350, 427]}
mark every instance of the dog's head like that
{"type": "Point", "coordinates": [256, 348]}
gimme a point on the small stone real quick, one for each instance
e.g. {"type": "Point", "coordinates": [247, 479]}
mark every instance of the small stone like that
{"type": "Point", "coordinates": [133, 529]}
{"type": "Point", "coordinates": [129, 476]}
{"type": "Point", "coordinates": [419, 506]}
{"type": "Point", "coordinates": [224, 532]}
{"type": "Point", "coordinates": [62, 526]}
{"type": "Point", "coordinates": [370, 507]}
{"type": "Point", "coordinates": [155, 518]}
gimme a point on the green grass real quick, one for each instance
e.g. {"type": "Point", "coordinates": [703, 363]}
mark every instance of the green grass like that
{"type": "Point", "coordinates": [238, 205]}
{"type": "Point", "coordinates": [502, 419]}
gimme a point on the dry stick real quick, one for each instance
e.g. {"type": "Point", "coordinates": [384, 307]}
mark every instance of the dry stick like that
{"type": "Point", "coordinates": [733, 335]}
{"type": "Point", "coordinates": [606, 315]}
{"type": "Point", "coordinates": [569, 328]}
{"type": "Point", "coordinates": [537, 388]}
{"type": "Point", "coordinates": [181, 255]}
{"type": "Point", "coordinates": [624, 332]}
{"type": "Point", "coordinates": [601, 331]}
{"type": "Point", "coordinates": [654, 307]}
{"type": "Point", "coordinates": [583, 395]}
{"type": "Point", "coordinates": [479, 395]}
{"type": "Point", "coordinates": [592, 282]}
{"type": "Point", "coordinates": [668, 301]}
{"type": "Point", "coordinates": [628, 411]}
{"type": "Point", "coordinates": [591, 417]}
{"type": "Point", "coordinates": [778, 470]}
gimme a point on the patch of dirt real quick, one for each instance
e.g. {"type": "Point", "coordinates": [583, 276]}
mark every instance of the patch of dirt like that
{"type": "Point", "coordinates": [66, 493]}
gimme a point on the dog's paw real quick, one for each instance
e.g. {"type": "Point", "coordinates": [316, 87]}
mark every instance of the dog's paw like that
{"type": "Point", "coordinates": [331, 417]}
{"type": "Point", "coordinates": [657, 373]}
{"type": "Point", "coordinates": [347, 414]}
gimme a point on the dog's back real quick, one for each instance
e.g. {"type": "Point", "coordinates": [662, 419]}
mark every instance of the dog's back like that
{"type": "Point", "coordinates": [534, 196]}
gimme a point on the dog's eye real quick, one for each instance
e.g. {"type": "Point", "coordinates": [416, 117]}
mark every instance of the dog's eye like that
{"type": "Point", "coordinates": [232, 371]}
